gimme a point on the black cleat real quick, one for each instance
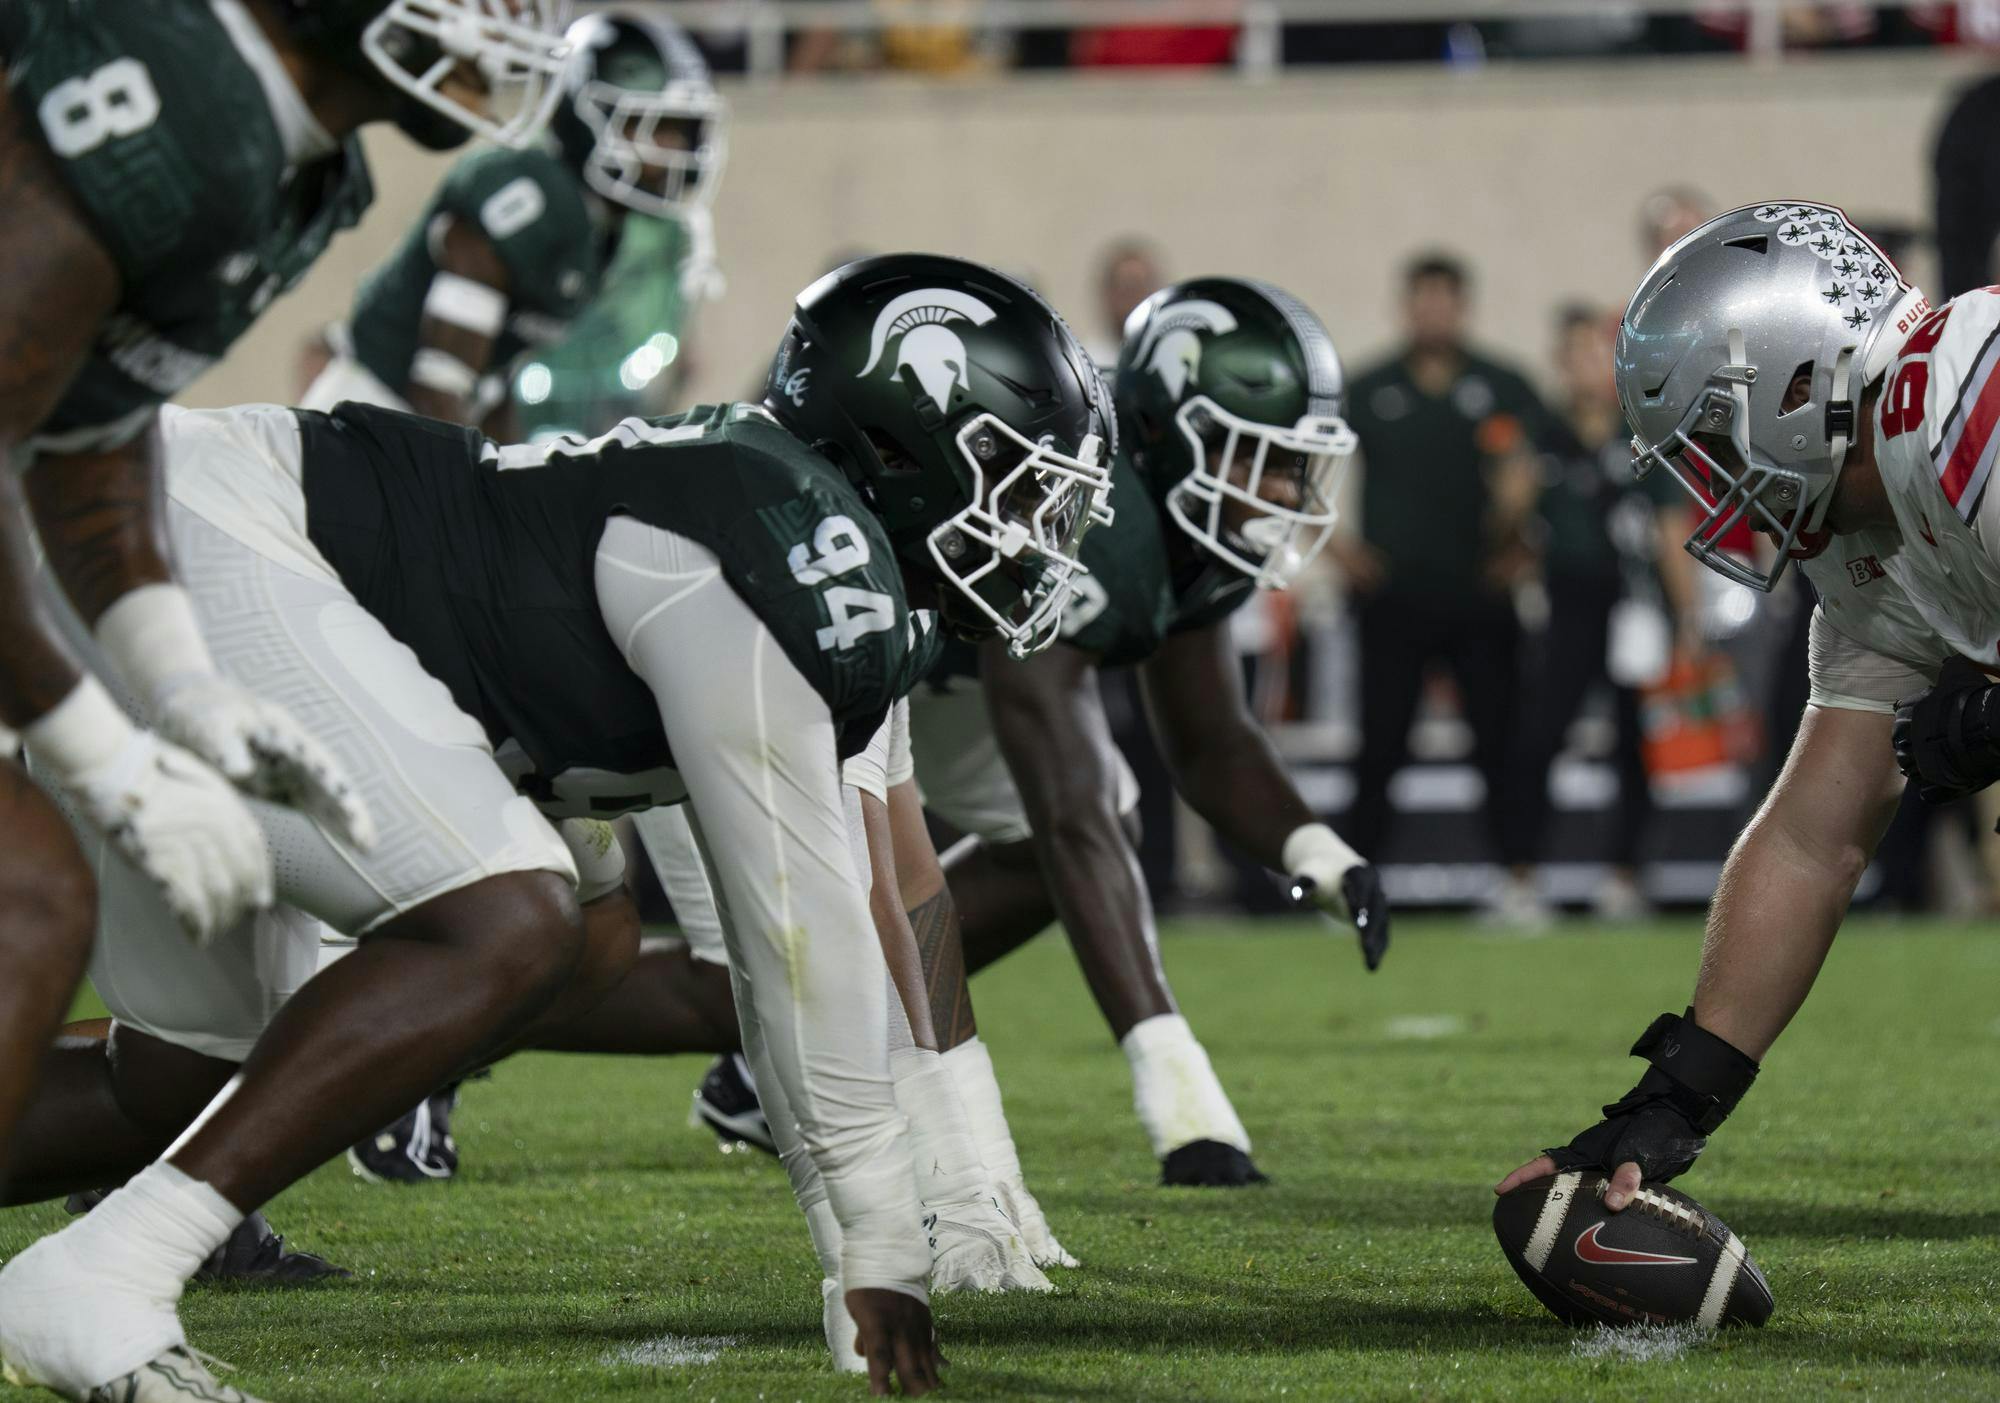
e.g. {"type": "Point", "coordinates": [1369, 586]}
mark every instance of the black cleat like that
{"type": "Point", "coordinates": [726, 1102]}
{"type": "Point", "coordinates": [417, 1149]}
{"type": "Point", "coordinates": [253, 1255]}
{"type": "Point", "coordinates": [256, 1256]}
{"type": "Point", "coordinates": [1209, 1164]}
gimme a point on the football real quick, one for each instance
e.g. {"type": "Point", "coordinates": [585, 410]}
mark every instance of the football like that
{"type": "Point", "coordinates": [1664, 1259]}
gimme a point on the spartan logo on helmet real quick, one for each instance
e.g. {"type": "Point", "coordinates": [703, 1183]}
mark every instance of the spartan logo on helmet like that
{"type": "Point", "coordinates": [922, 320]}
{"type": "Point", "coordinates": [1172, 346]}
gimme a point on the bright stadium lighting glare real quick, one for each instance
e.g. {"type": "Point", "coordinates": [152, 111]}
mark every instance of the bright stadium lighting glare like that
{"type": "Point", "coordinates": [536, 382]}
{"type": "Point", "coordinates": [641, 367]}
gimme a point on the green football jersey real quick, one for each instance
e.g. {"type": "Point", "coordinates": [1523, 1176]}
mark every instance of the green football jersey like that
{"type": "Point", "coordinates": [610, 364]}
{"type": "Point", "coordinates": [552, 236]}
{"type": "Point", "coordinates": [480, 559]}
{"type": "Point", "coordinates": [164, 135]}
{"type": "Point", "coordinates": [1147, 580]}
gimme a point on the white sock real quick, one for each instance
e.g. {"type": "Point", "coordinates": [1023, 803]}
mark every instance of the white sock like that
{"type": "Point", "coordinates": [947, 1161]}
{"type": "Point", "coordinates": [1174, 1089]}
{"type": "Point", "coordinates": [971, 1069]}
{"type": "Point", "coordinates": [159, 1228]}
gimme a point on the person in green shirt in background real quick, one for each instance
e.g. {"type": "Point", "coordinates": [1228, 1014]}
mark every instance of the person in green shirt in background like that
{"type": "Point", "coordinates": [1619, 589]}
{"type": "Point", "coordinates": [1447, 491]}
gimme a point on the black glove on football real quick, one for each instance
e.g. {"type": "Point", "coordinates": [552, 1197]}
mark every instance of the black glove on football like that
{"type": "Point", "coordinates": [1662, 1123]}
{"type": "Point", "coordinates": [1948, 739]}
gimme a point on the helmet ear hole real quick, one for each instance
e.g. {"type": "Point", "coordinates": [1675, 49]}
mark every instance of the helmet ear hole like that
{"type": "Point", "coordinates": [895, 458]}
{"type": "Point", "coordinates": [1798, 390]}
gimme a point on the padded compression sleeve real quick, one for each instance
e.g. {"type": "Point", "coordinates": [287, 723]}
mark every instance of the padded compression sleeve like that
{"type": "Point", "coordinates": [757, 752]}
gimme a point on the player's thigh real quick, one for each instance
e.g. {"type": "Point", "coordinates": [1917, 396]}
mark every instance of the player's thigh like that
{"type": "Point", "coordinates": [445, 815]}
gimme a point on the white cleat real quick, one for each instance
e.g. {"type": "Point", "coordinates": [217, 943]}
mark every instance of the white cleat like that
{"type": "Point", "coordinates": [840, 1329]}
{"type": "Point", "coordinates": [177, 1376]}
{"type": "Point", "coordinates": [1020, 1206]}
{"type": "Point", "coordinates": [975, 1248]}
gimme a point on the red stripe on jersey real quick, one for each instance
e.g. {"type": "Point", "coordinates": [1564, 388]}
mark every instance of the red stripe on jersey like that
{"type": "Point", "coordinates": [1972, 440]}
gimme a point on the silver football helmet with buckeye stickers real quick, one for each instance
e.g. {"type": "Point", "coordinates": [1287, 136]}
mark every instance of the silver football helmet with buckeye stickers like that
{"type": "Point", "coordinates": [1722, 326]}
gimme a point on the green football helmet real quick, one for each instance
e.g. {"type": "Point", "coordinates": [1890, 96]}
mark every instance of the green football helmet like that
{"type": "Point", "coordinates": [514, 47]}
{"type": "Point", "coordinates": [1229, 398]}
{"type": "Point", "coordinates": [972, 422]}
{"type": "Point", "coordinates": [639, 119]}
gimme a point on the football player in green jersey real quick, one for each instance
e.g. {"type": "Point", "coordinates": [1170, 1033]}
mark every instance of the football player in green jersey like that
{"type": "Point", "coordinates": [513, 249]}
{"type": "Point", "coordinates": [516, 244]}
{"type": "Point", "coordinates": [714, 608]}
{"type": "Point", "coordinates": [1231, 448]}
{"type": "Point", "coordinates": [168, 169]}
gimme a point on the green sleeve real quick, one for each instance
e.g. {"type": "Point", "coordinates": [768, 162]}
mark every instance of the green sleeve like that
{"type": "Point", "coordinates": [161, 133]}
{"type": "Point", "coordinates": [531, 209]}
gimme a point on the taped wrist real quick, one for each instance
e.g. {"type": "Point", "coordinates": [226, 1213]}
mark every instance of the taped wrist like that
{"type": "Point", "coordinates": [1695, 1072]}
{"type": "Point", "coordinates": [151, 636]}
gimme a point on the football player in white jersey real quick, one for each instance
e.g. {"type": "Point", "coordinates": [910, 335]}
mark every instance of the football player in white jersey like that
{"type": "Point", "coordinates": [1783, 370]}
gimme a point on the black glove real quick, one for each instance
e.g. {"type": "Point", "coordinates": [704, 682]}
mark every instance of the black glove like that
{"type": "Point", "coordinates": [1368, 904]}
{"type": "Point", "coordinates": [1662, 1123]}
{"type": "Point", "coordinates": [1948, 739]}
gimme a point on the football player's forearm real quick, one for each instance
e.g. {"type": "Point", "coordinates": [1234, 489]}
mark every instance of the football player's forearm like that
{"type": "Point", "coordinates": [36, 671]}
{"type": "Point", "coordinates": [1774, 918]}
{"type": "Point", "coordinates": [101, 523]}
{"type": "Point", "coordinates": [1239, 785]}
{"type": "Point", "coordinates": [1786, 886]}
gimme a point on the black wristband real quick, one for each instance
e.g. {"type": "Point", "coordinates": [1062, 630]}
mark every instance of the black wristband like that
{"type": "Point", "coordinates": [1710, 1075]}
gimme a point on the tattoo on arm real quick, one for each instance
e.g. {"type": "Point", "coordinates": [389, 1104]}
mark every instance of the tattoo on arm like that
{"type": "Point", "coordinates": [935, 923]}
{"type": "Point", "coordinates": [100, 520]}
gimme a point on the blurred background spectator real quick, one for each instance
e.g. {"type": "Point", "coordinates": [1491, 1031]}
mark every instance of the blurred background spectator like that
{"type": "Point", "coordinates": [1619, 590]}
{"type": "Point", "coordinates": [1447, 483]}
{"type": "Point", "coordinates": [1128, 272]}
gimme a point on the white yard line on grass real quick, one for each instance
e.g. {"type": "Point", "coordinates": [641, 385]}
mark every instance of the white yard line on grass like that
{"type": "Point", "coordinates": [674, 1351]}
{"type": "Point", "coordinates": [1640, 1344]}
{"type": "Point", "coordinates": [1422, 1027]}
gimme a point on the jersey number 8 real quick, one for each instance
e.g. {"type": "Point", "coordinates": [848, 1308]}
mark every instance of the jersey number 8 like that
{"type": "Point", "coordinates": [81, 114]}
{"type": "Point", "coordinates": [838, 547]}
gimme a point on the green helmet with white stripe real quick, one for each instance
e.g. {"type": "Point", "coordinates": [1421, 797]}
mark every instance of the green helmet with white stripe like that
{"type": "Point", "coordinates": [1229, 404]}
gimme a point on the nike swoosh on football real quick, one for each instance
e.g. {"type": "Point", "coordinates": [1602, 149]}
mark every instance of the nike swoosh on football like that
{"type": "Point", "coordinates": [1589, 1249]}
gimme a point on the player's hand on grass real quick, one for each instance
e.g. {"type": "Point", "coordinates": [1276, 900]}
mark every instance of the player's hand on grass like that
{"type": "Point", "coordinates": [893, 1332]}
{"type": "Point", "coordinates": [263, 751]}
{"type": "Point", "coordinates": [1624, 1182]}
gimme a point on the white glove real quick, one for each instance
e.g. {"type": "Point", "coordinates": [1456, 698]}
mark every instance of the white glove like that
{"type": "Point", "coordinates": [1020, 1206]}
{"type": "Point", "coordinates": [150, 634]}
{"type": "Point", "coordinates": [975, 1248]}
{"type": "Point", "coordinates": [172, 817]}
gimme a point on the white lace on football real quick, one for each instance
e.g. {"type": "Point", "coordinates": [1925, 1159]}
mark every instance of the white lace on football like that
{"type": "Point", "coordinates": [515, 47]}
{"type": "Point", "coordinates": [1277, 541]}
{"type": "Point", "coordinates": [1031, 522]}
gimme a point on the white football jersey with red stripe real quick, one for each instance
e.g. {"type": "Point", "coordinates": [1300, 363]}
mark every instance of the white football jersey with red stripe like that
{"type": "Point", "coordinates": [1937, 436]}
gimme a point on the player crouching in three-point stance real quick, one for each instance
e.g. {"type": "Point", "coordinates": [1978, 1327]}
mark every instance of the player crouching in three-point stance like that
{"type": "Point", "coordinates": [1231, 450]}
{"type": "Point", "coordinates": [1230, 453]}
{"type": "Point", "coordinates": [1778, 365]}
{"type": "Point", "coordinates": [715, 609]}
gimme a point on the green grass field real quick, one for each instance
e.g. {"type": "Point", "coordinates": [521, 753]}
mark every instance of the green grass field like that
{"type": "Point", "coordinates": [592, 1229]}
